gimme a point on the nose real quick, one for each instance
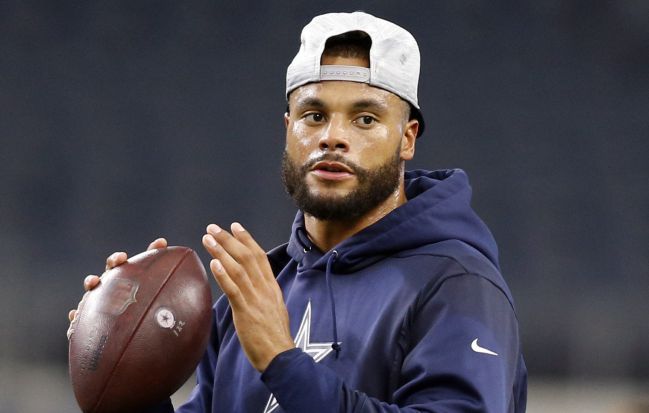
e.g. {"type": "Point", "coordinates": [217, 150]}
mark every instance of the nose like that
{"type": "Point", "coordinates": [334, 137]}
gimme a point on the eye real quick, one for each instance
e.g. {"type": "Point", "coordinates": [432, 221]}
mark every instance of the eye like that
{"type": "Point", "coordinates": [365, 120]}
{"type": "Point", "coordinates": [314, 117]}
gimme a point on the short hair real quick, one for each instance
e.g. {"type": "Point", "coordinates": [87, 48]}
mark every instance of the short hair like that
{"type": "Point", "coordinates": [351, 44]}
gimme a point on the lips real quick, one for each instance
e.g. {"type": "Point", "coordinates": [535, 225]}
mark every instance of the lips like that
{"type": "Point", "coordinates": [332, 171]}
{"type": "Point", "coordinates": [329, 166]}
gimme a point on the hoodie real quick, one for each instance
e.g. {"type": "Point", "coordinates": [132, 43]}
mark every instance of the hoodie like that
{"type": "Point", "coordinates": [410, 314]}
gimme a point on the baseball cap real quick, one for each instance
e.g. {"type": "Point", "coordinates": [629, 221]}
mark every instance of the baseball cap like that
{"type": "Point", "coordinates": [394, 57]}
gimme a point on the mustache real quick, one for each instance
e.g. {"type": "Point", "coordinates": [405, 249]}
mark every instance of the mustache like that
{"type": "Point", "coordinates": [332, 157]}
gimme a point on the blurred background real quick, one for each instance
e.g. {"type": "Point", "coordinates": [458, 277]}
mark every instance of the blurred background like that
{"type": "Point", "coordinates": [123, 121]}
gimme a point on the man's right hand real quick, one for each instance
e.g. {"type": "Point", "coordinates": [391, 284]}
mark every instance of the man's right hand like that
{"type": "Point", "coordinates": [115, 259]}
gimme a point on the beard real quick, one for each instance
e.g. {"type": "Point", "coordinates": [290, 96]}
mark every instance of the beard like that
{"type": "Point", "coordinates": [373, 187]}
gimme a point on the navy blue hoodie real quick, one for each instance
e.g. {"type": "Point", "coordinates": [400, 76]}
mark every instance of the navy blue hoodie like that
{"type": "Point", "coordinates": [410, 314]}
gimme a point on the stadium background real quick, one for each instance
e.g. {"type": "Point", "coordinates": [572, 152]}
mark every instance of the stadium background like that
{"type": "Point", "coordinates": [122, 121]}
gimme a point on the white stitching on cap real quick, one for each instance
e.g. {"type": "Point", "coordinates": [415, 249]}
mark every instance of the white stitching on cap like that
{"type": "Point", "coordinates": [350, 73]}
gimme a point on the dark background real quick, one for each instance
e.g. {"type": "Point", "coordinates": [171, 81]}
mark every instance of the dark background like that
{"type": "Point", "coordinates": [123, 121]}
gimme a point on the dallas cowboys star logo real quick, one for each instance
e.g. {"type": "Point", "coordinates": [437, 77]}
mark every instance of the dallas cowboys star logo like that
{"type": "Point", "coordinates": [302, 340]}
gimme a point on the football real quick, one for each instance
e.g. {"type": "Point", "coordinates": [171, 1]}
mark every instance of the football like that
{"type": "Point", "coordinates": [141, 332]}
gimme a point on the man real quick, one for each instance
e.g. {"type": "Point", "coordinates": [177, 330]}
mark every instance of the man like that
{"type": "Point", "coordinates": [387, 296]}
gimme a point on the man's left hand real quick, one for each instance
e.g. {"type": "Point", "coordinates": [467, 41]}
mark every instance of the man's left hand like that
{"type": "Point", "coordinates": [242, 270]}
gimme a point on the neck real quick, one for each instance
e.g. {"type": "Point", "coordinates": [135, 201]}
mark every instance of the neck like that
{"type": "Point", "coordinates": [327, 234]}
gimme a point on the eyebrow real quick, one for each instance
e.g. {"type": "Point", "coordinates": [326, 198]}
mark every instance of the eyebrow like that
{"type": "Point", "coordinates": [370, 104]}
{"type": "Point", "coordinates": [310, 102]}
{"type": "Point", "coordinates": [362, 104]}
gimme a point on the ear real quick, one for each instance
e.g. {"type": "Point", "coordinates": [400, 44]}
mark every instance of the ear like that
{"type": "Point", "coordinates": [408, 140]}
{"type": "Point", "coordinates": [286, 118]}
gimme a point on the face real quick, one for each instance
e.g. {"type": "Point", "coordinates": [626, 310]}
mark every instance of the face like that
{"type": "Point", "coordinates": [345, 146]}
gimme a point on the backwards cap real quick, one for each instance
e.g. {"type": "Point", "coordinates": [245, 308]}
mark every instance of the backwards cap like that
{"type": "Point", "coordinates": [394, 57]}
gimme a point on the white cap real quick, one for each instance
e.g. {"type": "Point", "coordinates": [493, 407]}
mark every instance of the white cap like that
{"type": "Point", "coordinates": [394, 56]}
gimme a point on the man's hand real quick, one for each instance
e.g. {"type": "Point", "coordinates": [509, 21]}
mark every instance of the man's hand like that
{"type": "Point", "coordinates": [115, 259]}
{"type": "Point", "coordinates": [242, 270]}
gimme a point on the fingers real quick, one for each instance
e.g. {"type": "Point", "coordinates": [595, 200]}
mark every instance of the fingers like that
{"type": "Point", "coordinates": [69, 332]}
{"type": "Point", "coordinates": [90, 282]}
{"type": "Point", "coordinates": [238, 262]}
{"type": "Point", "coordinates": [258, 253]}
{"type": "Point", "coordinates": [119, 258]}
{"type": "Point", "coordinates": [225, 262]}
{"type": "Point", "coordinates": [240, 245]}
{"type": "Point", "coordinates": [234, 253]}
{"type": "Point", "coordinates": [246, 239]}
{"type": "Point", "coordinates": [227, 285]}
{"type": "Point", "coordinates": [158, 243]}
{"type": "Point", "coordinates": [115, 259]}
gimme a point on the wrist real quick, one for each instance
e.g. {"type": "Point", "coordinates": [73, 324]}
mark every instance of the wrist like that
{"type": "Point", "coordinates": [263, 364]}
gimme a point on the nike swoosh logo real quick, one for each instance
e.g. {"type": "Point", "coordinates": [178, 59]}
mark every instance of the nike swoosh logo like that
{"type": "Point", "coordinates": [475, 347]}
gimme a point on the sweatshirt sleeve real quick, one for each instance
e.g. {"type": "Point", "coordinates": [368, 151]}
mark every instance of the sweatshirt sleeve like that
{"type": "Point", "coordinates": [460, 354]}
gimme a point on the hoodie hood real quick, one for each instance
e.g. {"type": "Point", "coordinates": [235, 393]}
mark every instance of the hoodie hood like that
{"type": "Point", "coordinates": [438, 209]}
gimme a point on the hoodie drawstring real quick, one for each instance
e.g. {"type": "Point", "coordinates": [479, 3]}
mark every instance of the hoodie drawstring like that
{"type": "Point", "coordinates": [303, 239]}
{"type": "Point", "coordinates": [336, 345]}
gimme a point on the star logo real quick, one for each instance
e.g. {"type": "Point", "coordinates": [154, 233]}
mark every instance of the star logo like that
{"type": "Point", "coordinates": [165, 318]}
{"type": "Point", "coordinates": [302, 340]}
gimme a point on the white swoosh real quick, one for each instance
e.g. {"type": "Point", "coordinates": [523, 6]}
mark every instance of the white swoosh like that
{"type": "Point", "coordinates": [475, 347]}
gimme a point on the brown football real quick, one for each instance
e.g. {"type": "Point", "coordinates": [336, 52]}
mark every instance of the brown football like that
{"type": "Point", "coordinates": [141, 332]}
